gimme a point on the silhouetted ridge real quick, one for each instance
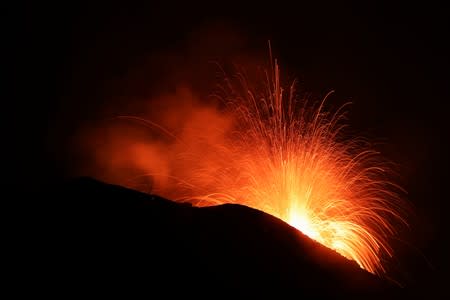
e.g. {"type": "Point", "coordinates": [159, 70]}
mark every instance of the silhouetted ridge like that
{"type": "Point", "coordinates": [110, 238]}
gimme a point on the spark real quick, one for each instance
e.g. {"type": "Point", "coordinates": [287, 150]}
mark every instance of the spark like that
{"type": "Point", "coordinates": [290, 157]}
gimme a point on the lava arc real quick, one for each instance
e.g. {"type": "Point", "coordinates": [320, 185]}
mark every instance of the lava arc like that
{"type": "Point", "coordinates": [289, 156]}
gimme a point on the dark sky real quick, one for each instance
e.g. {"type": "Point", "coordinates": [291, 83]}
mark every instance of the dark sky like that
{"type": "Point", "coordinates": [391, 60]}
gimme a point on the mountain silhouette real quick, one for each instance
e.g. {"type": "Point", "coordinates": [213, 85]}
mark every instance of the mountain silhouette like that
{"type": "Point", "coordinates": [103, 239]}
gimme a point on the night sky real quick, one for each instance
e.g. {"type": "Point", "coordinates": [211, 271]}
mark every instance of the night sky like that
{"type": "Point", "coordinates": [67, 63]}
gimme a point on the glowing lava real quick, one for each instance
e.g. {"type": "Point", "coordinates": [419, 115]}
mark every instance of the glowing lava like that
{"type": "Point", "coordinates": [288, 157]}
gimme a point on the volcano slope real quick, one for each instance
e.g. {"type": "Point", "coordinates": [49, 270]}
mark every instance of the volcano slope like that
{"type": "Point", "coordinates": [103, 238]}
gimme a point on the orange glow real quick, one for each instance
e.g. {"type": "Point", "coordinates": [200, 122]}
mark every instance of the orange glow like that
{"type": "Point", "coordinates": [270, 150]}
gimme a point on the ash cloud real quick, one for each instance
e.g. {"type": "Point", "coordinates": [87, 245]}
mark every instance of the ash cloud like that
{"type": "Point", "coordinates": [144, 155]}
{"type": "Point", "coordinates": [177, 112]}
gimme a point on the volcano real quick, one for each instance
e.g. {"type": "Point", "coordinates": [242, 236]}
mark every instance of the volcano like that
{"type": "Point", "coordinates": [105, 238]}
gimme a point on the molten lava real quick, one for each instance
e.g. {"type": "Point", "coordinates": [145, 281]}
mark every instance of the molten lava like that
{"type": "Point", "coordinates": [275, 152]}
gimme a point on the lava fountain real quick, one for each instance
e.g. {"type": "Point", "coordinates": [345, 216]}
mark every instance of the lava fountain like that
{"type": "Point", "coordinates": [289, 157]}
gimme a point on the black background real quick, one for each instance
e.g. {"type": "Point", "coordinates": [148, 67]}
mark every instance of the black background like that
{"type": "Point", "coordinates": [391, 61]}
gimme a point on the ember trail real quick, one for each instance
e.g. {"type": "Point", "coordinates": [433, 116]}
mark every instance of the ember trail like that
{"type": "Point", "coordinates": [274, 151]}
